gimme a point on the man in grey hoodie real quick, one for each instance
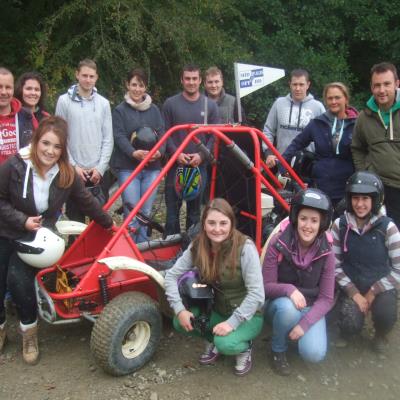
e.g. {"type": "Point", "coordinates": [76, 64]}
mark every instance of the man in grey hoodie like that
{"type": "Point", "coordinates": [289, 115]}
{"type": "Point", "coordinates": [90, 141]}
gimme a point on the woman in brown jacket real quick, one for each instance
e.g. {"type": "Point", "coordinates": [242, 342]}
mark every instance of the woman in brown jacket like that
{"type": "Point", "coordinates": [34, 185]}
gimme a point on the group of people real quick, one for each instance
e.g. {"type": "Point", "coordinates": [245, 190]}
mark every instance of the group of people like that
{"type": "Point", "coordinates": [305, 258]}
{"type": "Point", "coordinates": [46, 162]}
{"type": "Point", "coordinates": [294, 288]}
{"type": "Point", "coordinates": [341, 139]}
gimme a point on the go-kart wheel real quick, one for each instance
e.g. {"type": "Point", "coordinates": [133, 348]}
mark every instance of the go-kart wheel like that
{"type": "Point", "coordinates": [126, 334]}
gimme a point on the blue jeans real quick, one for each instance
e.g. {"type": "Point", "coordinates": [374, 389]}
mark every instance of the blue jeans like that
{"type": "Point", "coordinates": [284, 316]}
{"type": "Point", "coordinates": [133, 193]}
{"type": "Point", "coordinates": [174, 203]}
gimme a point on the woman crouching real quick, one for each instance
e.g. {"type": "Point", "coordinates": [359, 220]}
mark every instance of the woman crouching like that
{"type": "Point", "coordinates": [299, 279]}
{"type": "Point", "coordinates": [229, 262]}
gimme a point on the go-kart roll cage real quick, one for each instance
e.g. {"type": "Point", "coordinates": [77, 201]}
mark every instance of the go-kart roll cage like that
{"type": "Point", "coordinates": [255, 167]}
{"type": "Point", "coordinates": [95, 243]}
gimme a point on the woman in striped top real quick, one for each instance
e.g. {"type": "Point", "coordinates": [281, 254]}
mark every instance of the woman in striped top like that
{"type": "Point", "coordinates": [366, 244]}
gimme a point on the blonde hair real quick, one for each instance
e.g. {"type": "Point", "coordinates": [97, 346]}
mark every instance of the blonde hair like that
{"type": "Point", "coordinates": [338, 85]}
{"type": "Point", "coordinates": [203, 258]}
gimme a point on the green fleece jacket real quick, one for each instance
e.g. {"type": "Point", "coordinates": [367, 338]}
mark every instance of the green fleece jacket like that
{"type": "Point", "coordinates": [372, 147]}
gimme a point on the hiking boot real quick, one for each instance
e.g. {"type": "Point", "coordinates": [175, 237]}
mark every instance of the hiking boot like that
{"type": "Point", "coordinates": [243, 362]}
{"type": "Point", "coordinates": [379, 344]}
{"type": "Point", "coordinates": [210, 354]}
{"type": "Point", "coordinates": [30, 346]}
{"type": "Point", "coordinates": [280, 364]}
{"type": "Point", "coordinates": [3, 337]}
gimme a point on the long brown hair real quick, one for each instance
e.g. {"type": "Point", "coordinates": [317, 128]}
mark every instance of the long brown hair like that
{"type": "Point", "coordinates": [19, 86]}
{"type": "Point", "coordinates": [203, 258]}
{"type": "Point", "coordinates": [59, 127]}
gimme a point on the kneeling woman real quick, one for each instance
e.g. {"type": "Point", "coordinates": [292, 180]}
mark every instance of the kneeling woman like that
{"type": "Point", "coordinates": [33, 187]}
{"type": "Point", "coordinates": [229, 261]}
{"type": "Point", "coordinates": [299, 279]}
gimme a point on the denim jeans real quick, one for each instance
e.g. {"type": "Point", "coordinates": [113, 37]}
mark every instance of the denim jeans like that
{"type": "Point", "coordinates": [174, 203]}
{"type": "Point", "coordinates": [284, 316]}
{"type": "Point", "coordinates": [133, 193]}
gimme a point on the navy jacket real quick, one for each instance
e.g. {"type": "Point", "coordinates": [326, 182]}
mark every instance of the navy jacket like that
{"type": "Point", "coordinates": [330, 170]}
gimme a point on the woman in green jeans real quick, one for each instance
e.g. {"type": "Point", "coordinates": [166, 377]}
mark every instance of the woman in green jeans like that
{"type": "Point", "coordinates": [229, 261]}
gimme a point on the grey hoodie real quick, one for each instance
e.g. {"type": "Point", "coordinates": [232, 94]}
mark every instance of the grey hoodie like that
{"type": "Point", "coordinates": [287, 118]}
{"type": "Point", "coordinates": [90, 141]}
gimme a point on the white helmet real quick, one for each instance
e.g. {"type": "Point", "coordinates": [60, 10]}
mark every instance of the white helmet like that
{"type": "Point", "coordinates": [43, 251]}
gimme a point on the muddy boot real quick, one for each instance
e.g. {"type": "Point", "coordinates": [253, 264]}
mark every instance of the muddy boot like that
{"type": "Point", "coordinates": [3, 337]}
{"type": "Point", "coordinates": [30, 347]}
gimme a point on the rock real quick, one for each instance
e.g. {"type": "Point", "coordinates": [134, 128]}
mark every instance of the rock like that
{"type": "Point", "coordinates": [161, 372]}
{"type": "Point", "coordinates": [153, 396]}
{"type": "Point", "coordinates": [301, 378]}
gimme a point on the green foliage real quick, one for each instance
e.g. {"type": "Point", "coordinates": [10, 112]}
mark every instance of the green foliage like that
{"type": "Point", "coordinates": [336, 40]}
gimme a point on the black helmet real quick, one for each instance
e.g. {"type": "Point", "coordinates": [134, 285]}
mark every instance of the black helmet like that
{"type": "Point", "coordinates": [192, 290]}
{"type": "Point", "coordinates": [364, 182]}
{"type": "Point", "coordinates": [312, 198]}
{"type": "Point", "coordinates": [302, 163]}
{"type": "Point", "coordinates": [144, 138]}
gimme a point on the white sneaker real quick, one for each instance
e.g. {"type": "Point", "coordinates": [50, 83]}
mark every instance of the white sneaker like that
{"type": "Point", "coordinates": [243, 362]}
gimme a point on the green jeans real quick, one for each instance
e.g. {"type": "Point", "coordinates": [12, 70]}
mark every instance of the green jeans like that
{"type": "Point", "coordinates": [235, 342]}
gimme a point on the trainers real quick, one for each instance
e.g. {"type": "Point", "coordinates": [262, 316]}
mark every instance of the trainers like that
{"type": "Point", "coordinates": [210, 354]}
{"type": "Point", "coordinates": [3, 337]}
{"type": "Point", "coordinates": [280, 364]}
{"type": "Point", "coordinates": [379, 344]}
{"type": "Point", "coordinates": [243, 362]}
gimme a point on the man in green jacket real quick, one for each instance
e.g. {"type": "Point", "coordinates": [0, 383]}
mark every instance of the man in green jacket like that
{"type": "Point", "coordinates": [376, 137]}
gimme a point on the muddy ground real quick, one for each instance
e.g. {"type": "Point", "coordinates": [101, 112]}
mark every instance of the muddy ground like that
{"type": "Point", "coordinates": [67, 371]}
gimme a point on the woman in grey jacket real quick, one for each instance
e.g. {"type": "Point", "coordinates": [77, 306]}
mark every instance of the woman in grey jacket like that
{"type": "Point", "coordinates": [229, 262]}
{"type": "Point", "coordinates": [34, 185]}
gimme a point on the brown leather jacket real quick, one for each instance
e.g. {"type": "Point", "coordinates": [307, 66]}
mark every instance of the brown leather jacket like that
{"type": "Point", "coordinates": [14, 209]}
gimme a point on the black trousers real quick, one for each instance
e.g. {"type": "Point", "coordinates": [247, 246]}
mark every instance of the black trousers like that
{"type": "Point", "coordinates": [6, 249]}
{"type": "Point", "coordinates": [392, 203]}
{"type": "Point", "coordinates": [383, 311]}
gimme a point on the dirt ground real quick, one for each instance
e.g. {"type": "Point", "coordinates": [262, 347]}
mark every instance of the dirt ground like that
{"type": "Point", "coordinates": [67, 371]}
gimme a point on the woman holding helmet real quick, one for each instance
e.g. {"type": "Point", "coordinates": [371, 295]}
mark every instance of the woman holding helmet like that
{"type": "Point", "coordinates": [229, 262]}
{"type": "Point", "coordinates": [137, 126]}
{"type": "Point", "coordinates": [366, 244]}
{"type": "Point", "coordinates": [34, 185]}
{"type": "Point", "coordinates": [299, 280]}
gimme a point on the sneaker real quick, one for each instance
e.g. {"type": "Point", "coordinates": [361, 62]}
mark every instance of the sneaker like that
{"type": "Point", "coordinates": [280, 364]}
{"type": "Point", "coordinates": [243, 362]}
{"type": "Point", "coordinates": [379, 344]}
{"type": "Point", "coordinates": [210, 354]}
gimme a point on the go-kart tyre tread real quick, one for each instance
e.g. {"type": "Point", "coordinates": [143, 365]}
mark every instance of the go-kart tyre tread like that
{"type": "Point", "coordinates": [119, 314]}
